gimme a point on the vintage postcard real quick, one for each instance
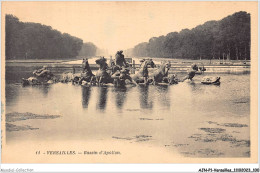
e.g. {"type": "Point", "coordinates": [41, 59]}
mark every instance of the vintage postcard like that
{"type": "Point", "coordinates": [129, 82]}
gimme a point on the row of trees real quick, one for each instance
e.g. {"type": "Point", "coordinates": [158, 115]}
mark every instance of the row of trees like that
{"type": "Point", "coordinates": [37, 41]}
{"type": "Point", "coordinates": [228, 38]}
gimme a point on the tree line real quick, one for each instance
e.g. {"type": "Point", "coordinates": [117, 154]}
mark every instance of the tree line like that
{"type": "Point", "coordinates": [27, 40]}
{"type": "Point", "coordinates": [228, 38]}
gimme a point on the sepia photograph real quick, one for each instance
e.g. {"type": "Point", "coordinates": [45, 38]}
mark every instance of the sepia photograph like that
{"type": "Point", "coordinates": [129, 82]}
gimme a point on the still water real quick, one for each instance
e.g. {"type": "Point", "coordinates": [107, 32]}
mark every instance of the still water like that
{"type": "Point", "coordinates": [193, 119]}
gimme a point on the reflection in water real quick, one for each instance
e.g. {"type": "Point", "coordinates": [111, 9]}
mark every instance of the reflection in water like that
{"type": "Point", "coordinates": [86, 92]}
{"type": "Point", "coordinates": [102, 101]}
{"type": "Point", "coordinates": [121, 94]}
{"type": "Point", "coordinates": [195, 88]}
{"type": "Point", "coordinates": [12, 93]}
{"type": "Point", "coordinates": [145, 102]}
{"type": "Point", "coordinates": [199, 88]}
{"type": "Point", "coordinates": [163, 96]}
{"type": "Point", "coordinates": [44, 89]}
{"type": "Point", "coordinates": [193, 109]}
{"type": "Point", "coordinates": [193, 84]}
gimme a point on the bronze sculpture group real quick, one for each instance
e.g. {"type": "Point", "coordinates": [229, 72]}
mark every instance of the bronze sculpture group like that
{"type": "Point", "coordinates": [117, 72]}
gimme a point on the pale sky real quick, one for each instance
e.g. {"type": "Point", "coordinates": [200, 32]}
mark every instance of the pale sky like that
{"type": "Point", "coordinates": [122, 25]}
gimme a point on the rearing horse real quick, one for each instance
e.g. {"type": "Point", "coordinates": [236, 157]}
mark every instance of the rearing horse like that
{"type": "Point", "coordinates": [161, 74]}
{"type": "Point", "coordinates": [102, 76]}
{"type": "Point", "coordinates": [142, 74]}
{"type": "Point", "coordinates": [86, 74]}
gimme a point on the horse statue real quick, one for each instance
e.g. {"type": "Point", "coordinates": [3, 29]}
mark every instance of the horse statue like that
{"type": "Point", "coordinates": [161, 74]}
{"type": "Point", "coordinates": [142, 75]}
{"type": "Point", "coordinates": [102, 76]}
{"type": "Point", "coordinates": [86, 74]}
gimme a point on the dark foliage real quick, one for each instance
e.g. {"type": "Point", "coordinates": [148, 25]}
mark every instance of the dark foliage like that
{"type": "Point", "coordinates": [228, 38]}
{"type": "Point", "coordinates": [37, 41]}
